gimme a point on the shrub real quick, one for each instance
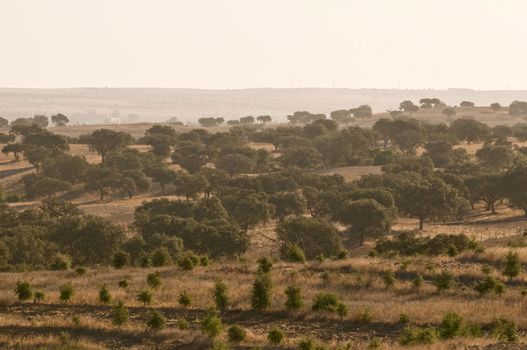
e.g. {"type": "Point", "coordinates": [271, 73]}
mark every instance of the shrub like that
{"type": "Point", "coordinates": [236, 334]}
{"type": "Point", "coordinates": [220, 295]}
{"type": "Point", "coordinates": [61, 262]}
{"type": "Point", "coordinates": [119, 314]}
{"type": "Point", "coordinates": [342, 310]}
{"type": "Point", "coordinates": [342, 254]}
{"type": "Point", "coordinates": [444, 281]}
{"type": "Point", "coordinates": [512, 265]}
{"type": "Point", "coordinates": [161, 257]}
{"type": "Point", "coordinates": [156, 321]}
{"type": "Point", "coordinates": [154, 280]}
{"type": "Point", "coordinates": [319, 237]}
{"type": "Point", "coordinates": [188, 261]}
{"type": "Point", "coordinates": [264, 265]}
{"type": "Point", "coordinates": [145, 297]}
{"type": "Point", "coordinates": [364, 316]}
{"type": "Point", "coordinates": [418, 336]}
{"type": "Point", "coordinates": [184, 299]}
{"type": "Point", "coordinates": [38, 296]}
{"type": "Point", "coordinates": [388, 279]}
{"type": "Point", "coordinates": [261, 293]}
{"type": "Point", "coordinates": [505, 330]}
{"type": "Point", "coordinates": [294, 253]}
{"type": "Point", "coordinates": [489, 284]}
{"type": "Point", "coordinates": [211, 325]}
{"type": "Point", "coordinates": [23, 291]}
{"type": "Point", "coordinates": [326, 302]}
{"type": "Point", "coordinates": [275, 336]}
{"type": "Point", "coordinates": [408, 244]}
{"type": "Point", "coordinates": [307, 344]}
{"type": "Point", "coordinates": [404, 319]}
{"type": "Point", "coordinates": [104, 295]}
{"type": "Point", "coordinates": [294, 298]}
{"type": "Point", "coordinates": [123, 283]}
{"type": "Point", "coordinates": [418, 281]}
{"type": "Point", "coordinates": [183, 324]}
{"type": "Point", "coordinates": [66, 292]}
{"type": "Point", "coordinates": [452, 326]}
{"type": "Point", "coordinates": [81, 271]}
{"type": "Point", "coordinates": [121, 259]}
{"type": "Point", "coordinates": [204, 260]}
{"type": "Point", "coordinates": [145, 262]}
{"type": "Point", "coordinates": [76, 319]}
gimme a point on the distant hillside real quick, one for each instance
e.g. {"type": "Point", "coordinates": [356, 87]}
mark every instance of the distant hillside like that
{"type": "Point", "coordinates": [100, 105]}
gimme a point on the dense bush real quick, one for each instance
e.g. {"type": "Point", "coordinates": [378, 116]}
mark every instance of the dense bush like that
{"type": "Point", "coordinates": [409, 244]}
{"type": "Point", "coordinates": [313, 236]}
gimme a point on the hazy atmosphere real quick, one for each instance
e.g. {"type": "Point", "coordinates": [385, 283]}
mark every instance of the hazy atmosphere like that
{"type": "Point", "coordinates": [273, 175]}
{"type": "Point", "coordinates": [275, 43]}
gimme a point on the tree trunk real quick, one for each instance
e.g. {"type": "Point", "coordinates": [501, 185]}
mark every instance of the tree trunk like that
{"type": "Point", "coordinates": [421, 223]}
{"type": "Point", "coordinates": [101, 197]}
{"type": "Point", "coordinates": [492, 208]}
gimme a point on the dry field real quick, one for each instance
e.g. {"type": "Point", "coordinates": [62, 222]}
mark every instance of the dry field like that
{"type": "Point", "coordinates": [356, 280]}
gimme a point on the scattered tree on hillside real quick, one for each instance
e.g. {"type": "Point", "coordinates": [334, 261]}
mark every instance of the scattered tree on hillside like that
{"type": "Point", "coordinates": [60, 119]}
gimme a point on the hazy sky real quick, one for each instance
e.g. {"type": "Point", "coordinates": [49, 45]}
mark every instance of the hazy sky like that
{"type": "Point", "coordinates": [266, 43]}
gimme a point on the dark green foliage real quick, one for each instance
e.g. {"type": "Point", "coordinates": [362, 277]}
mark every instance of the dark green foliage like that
{"type": "Point", "coordinates": [314, 236]}
{"type": "Point", "coordinates": [261, 292]}
{"type": "Point", "coordinates": [388, 279]}
{"type": "Point", "coordinates": [408, 243]}
{"type": "Point", "coordinates": [61, 262]}
{"type": "Point", "coordinates": [418, 281]}
{"type": "Point", "coordinates": [161, 257]}
{"type": "Point", "coordinates": [188, 261]}
{"type": "Point", "coordinates": [119, 314]}
{"type": "Point", "coordinates": [156, 321]}
{"type": "Point", "coordinates": [123, 284]}
{"type": "Point", "coordinates": [89, 239]}
{"type": "Point", "coordinates": [512, 266]}
{"type": "Point", "coordinates": [505, 330]}
{"type": "Point", "coordinates": [326, 302]}
{"type": "Point", "coordinates": [295, 254]}
{"type": "Point", "coordinates": [221, 297]}
{"type": "Point", "coordinates": [489, 285]}
{"type": "Point", "coordinates": [104, 141]}
{"type": "Point", "coordinates": [294, 298]}
{"type": "Point", "coordinates": [275, 336]}
{"type": "Point", "coordinates": [418, 336]}
{"type": "Point", "coordinates": [145, 297]}
{"type": "Point", "coordinates": [444, 281]}
{"type": "Point", "coordinates": [39, 296]}
{"type": "Point", "coordinates": [104, 295]}
{"type": "Point", "coordinates": [183, 324]}
{"type": "Point", "coordinates": [203, 227]}
{"type": "Point", "coordinates": [184, 299]}
{"type": "Point", "coordinates": [154, 280]}
{"type": "Point", "coordinates": [342, 310]}
{"type": "Point", "coordinates": [211, 325]}
{"type": "Point", "coordinates": [264, 265]}
{"type": "Point", "coordinates": [121, 259]}
{"type": "Point", "coordinates": [23, 291]}
{"type": "Point", "coordinates": [66, 292]}
{"type": "Point", "coordinates": [236, 334]}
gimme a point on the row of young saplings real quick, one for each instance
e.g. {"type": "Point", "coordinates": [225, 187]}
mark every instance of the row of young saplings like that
{"type": "Point", "coordinates": [211, 325]}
